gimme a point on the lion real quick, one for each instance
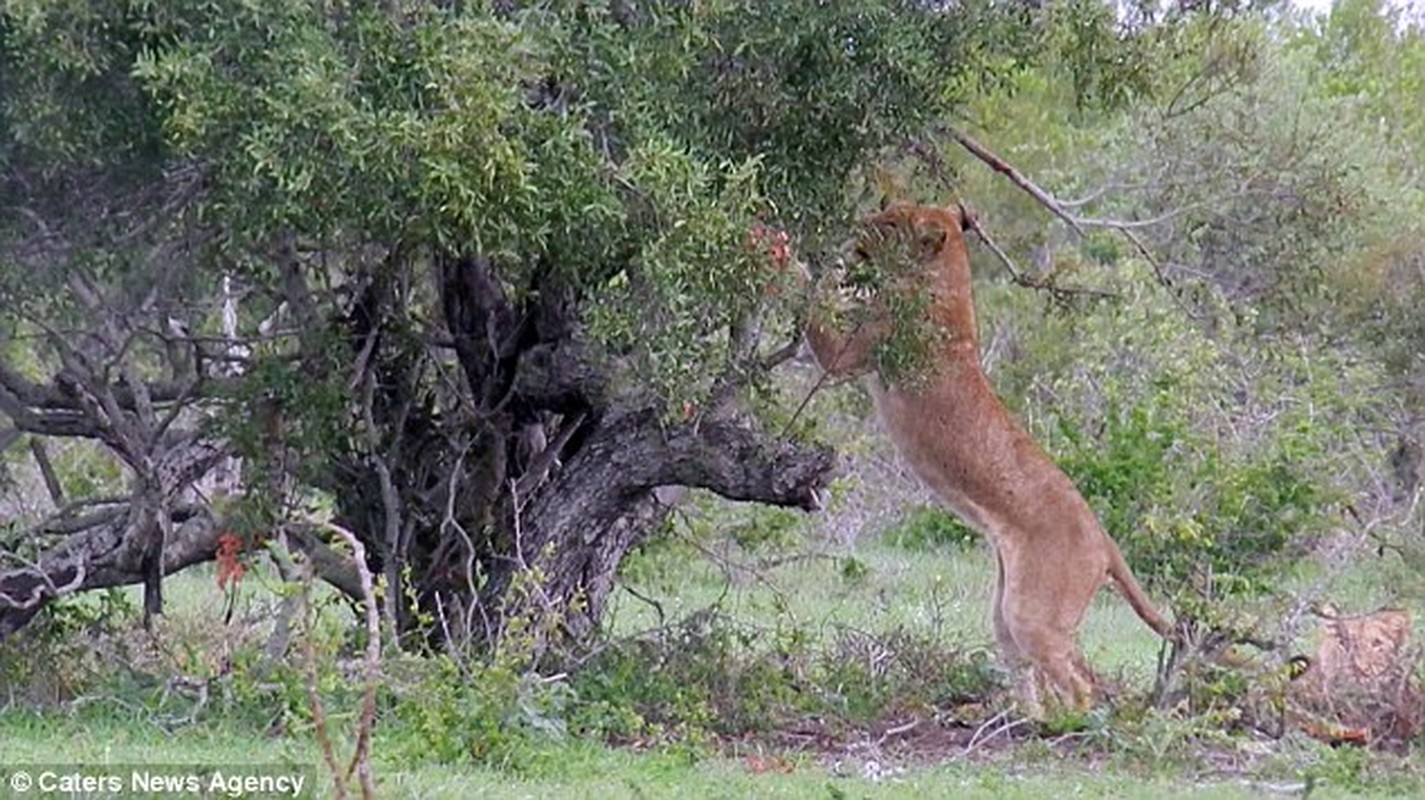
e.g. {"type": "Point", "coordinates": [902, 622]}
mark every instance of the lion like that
{"type": "Point", "coordinates": [1360, 685]}
{"type": "Point", "coordinates": [1051, 553]}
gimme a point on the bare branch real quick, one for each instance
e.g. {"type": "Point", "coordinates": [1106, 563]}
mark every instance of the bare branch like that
{"type": "Point", "coordinates": [1045, 283]}
{"type": "Point", "coordinates": [361, 755]}
{"type": "Point", "coordinates": [98, 557]}
{"type": "Point", "coordinates": [52, 484]}
{"type": "Point", "coordinates": [1016, 177]}
{"type": "Point", "coordinates": [314, 696]}
{"type": "Point", "coordinates": [1076, 223]}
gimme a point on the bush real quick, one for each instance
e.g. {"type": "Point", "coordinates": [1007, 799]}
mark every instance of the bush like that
{"type": "Point", "coordinates": [68, 649]}
{"type": "Point", "coordinates": [709, 676]}
{"type": "Point", "coordinates": [1181, 509]}
{"type": "Point", "coordinates": [1208, 451]}
{"type": "Point", "coordinates": [928, 527]}
{"type": "Point", "coordinates": [489, 713]}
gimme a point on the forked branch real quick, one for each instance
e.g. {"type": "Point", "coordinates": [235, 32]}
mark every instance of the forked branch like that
{"type": "Point", "coordinates": [1075, 222]}
{"type": "Point", "coordinates": [1045, 283]}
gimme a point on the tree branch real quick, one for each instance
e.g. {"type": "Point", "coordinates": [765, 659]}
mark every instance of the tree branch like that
{"type": "Point", "coordinates": [740, 463]}
{"type": "Point", "coordinates": [1076, 223]}
{"type": "Point", "coordinates": [51, 479]}
{"type": "Point", "coordinates": [1045, 283]}
{"type": "Point", "coordinates": [1016, 177]}
{"type": "Point", "coordinates": [97, 558]}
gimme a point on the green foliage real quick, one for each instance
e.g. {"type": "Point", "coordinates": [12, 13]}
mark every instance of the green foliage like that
{"type": "Point", "coordinates": [1206, 459]}
{"type": "Point", "coordinates": [489, 713]}
{"type": "Point", "coordinates": [288, 415]}
{"type": "Point", "coordinates": [1181, 510]}
{"type": "Point", "coordinates": [68, 650]}
{"type": "Point", "coordinates": [68, 100]}
{"type": "Point", "coordinates": [629, 159]}
{"type": "Point", "coordinates": [773, 529]}
{"type": "Point", "coordinates": [864, 675]}
{"type": "Point", "coordinates": [814, 88]}
{"type": "Point", "coordinates": [709, 675]}
{"type": "Point", "coordinates": [925, 527]}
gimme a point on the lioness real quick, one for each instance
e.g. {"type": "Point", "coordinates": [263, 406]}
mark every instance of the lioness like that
{"type": "Point", "coordinates": [957, 436]}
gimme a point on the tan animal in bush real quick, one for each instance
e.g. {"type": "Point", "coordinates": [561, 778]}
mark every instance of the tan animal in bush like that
{"type": "Point", "coordinates": [1360, 685]}
{"type": "Point", "coordinates": [1052, 553]}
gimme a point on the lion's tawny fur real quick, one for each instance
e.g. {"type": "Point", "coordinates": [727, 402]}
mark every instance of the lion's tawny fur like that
{"type": "Point", "coordinates": [1052, 553]}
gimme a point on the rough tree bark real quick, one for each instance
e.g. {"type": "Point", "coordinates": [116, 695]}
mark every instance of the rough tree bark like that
{"type": "Point", "coordinates": [550, 473]}
{"type": "Point", "coordinates": [534, 462]}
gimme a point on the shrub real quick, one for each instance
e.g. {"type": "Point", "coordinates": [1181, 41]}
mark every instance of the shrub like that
{"type": "Point", "coordinates": [927, 527]}
{"type": "Point", "coordinates": [68, 649]}
{"type": "Point", "coordinates": [1180, 508]}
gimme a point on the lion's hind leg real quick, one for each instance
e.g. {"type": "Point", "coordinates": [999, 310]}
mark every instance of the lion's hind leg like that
{"type": "Point", "coordinates": [1025, 679]}
{"type": "Point", "coordinates": [1072, 689]}
{"type": "Point", "coordinates": [1053, 654]}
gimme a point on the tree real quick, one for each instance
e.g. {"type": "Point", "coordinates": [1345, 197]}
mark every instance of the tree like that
{"type": "Point", "coordinates": [486, 269]}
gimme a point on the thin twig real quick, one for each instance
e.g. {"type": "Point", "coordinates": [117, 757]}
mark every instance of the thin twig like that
{"type": "Point", "coordinates": [1045, 283]}
{"type": "Point", "coordinates": [657, 606]}
{"type": "Point", "coordinates": [977, 741]}
{"type": "Point", "coordinates": [821, 380]}
{"type": "Point", "coordinates": [905, 727]}
{"type": "Point", "coordinates": [314, 697]}
{"type": "Point", "coordinates": [361, 755]}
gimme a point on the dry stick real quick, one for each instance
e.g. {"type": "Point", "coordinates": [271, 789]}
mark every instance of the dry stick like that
{"type": "Point", "coordinates": [977, 741]}
{"type": "Point", "coordinates": [905, 727]}
{"type": "Point", "coordinates": [314, 698]}
{"type": "Point", "coordinates": [361, 756]}
{"type": "Point", "coordinates": [360, 759]}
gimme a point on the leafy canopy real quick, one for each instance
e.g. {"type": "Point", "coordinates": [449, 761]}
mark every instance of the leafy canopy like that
{"type": "Point", "coordinates": [626, 155]}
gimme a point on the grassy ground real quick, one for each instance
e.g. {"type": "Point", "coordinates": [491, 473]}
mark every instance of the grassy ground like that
{"type": "Point", "coordinates": [939, 592]}
{"type": "Point", "coordinates": [583, 770]}
{"type": "Point", "coordinates": [577, 770]}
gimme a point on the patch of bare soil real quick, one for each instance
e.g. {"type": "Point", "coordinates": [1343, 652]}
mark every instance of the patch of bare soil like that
{"type": "Point", "coordinates": [891, 745]}
{"type": "Point", "coordinates": [894, 745]}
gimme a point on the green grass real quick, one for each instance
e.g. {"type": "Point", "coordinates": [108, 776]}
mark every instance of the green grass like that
{"type": "Point", "coordinates": [941, 593]}
{"type": "Point", "coordinates": [583, 770]}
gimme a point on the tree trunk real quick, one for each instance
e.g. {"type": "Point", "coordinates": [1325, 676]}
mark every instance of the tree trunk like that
{"type": "Point", "coordinates": [525, 507]}
{"type": "Point", "coordinates": [514, 493]}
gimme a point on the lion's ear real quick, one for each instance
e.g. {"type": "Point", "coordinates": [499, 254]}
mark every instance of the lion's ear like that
{"type": "Point", "coordinates": [931, 239]}
{"type": "Point", "coordinates": [966, 216]}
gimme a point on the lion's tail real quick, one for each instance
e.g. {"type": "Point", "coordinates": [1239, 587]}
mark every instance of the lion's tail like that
{"type": "Point", "coordinates": [1133, 593]}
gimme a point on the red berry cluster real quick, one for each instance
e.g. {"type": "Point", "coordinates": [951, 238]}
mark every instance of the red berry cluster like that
{"type": "Point", "coordinates": [775, 243]}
